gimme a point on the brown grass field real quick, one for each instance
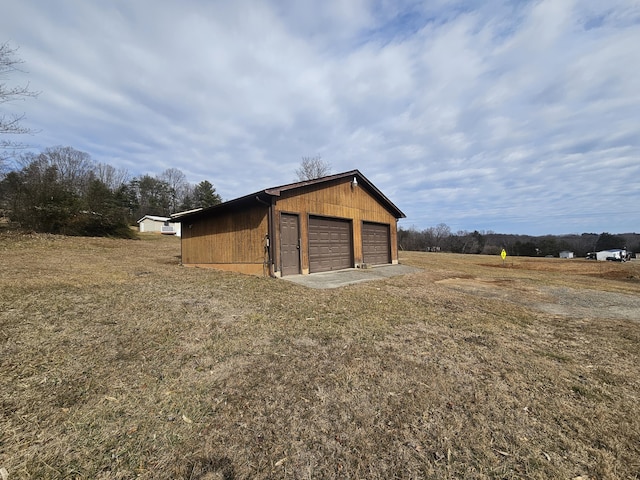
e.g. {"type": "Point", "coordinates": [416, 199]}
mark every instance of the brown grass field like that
{"type": "Point", "coordinates": [118, 363]}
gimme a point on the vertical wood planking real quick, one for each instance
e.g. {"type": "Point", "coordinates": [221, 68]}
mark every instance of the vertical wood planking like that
{"type": "Point", "coordinates": [339, 200]}
{"type": "Point", "coordinates": [233, 237]}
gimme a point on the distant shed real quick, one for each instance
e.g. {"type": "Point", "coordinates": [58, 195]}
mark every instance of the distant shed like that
{"type": "Point", "coordinates": [566, 254]}
{"type": "Point", "coordinates": [330, 223]}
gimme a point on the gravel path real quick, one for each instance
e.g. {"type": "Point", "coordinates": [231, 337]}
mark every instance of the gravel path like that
{"type": "Point", "coordinates": [564, 301]}
{"type": "Point", "coordinates": [590, 304]}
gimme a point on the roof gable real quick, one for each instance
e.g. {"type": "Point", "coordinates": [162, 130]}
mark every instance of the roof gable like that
{"type": "Point", "coordinates": [264, 196]}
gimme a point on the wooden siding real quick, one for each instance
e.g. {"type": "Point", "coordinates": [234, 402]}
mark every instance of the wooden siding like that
{"type": "Point", "coordinates": [246, 268]}
{"type": "Point", "coordinates": [233, 238]}
{"type": "Point", "coordinates": [338, 200]}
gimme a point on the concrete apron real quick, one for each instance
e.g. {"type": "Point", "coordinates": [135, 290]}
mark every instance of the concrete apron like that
{"type": "Point", "coordinates": [340, 278]}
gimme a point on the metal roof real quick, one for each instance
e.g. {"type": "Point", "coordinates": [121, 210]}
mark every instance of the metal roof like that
{"type": "Point", "coordinates": [156, 218]}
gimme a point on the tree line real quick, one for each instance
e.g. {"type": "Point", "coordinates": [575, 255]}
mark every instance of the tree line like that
{"type": "Point", "coordinates": [441, 238]}
{"type": "Point", "coordinates": [62, 190]}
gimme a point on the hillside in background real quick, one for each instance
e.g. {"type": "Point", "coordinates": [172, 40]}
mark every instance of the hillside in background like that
{"type": "Point", "coordinates": [442, 239]}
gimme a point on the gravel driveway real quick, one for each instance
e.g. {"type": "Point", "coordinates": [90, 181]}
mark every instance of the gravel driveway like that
{"type": "Point", "coordinates": [590, 304]}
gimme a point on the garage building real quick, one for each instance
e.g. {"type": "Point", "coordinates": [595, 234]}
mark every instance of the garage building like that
{"type": "Point", "coordinates": [330, 223]}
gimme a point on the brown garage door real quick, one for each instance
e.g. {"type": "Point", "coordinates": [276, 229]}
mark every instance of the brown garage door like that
{"type": "Point", "coordinates": [375, 243]}
{"type": "Point", "coordinates": [329, 244]}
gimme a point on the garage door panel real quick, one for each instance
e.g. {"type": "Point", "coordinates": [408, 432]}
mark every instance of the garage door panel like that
{"type": "Point", "coordinates": [329, 244]}
{"type": "Point", "coordinates": [376, 243]}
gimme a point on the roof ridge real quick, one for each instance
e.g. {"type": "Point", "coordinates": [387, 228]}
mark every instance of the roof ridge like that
{"type": "Point", "coordinates": [277, 191]}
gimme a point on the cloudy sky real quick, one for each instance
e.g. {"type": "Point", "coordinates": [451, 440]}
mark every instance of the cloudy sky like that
{"type": "Point", "coordinates": [512, 116]}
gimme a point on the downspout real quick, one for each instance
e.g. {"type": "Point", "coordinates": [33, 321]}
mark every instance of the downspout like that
{"type": "Point", "coordinates": [270, 247]}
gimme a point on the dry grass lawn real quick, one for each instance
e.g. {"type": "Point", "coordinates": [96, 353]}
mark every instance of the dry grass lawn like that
{"type": "Point", "coordinates": [118, 363]}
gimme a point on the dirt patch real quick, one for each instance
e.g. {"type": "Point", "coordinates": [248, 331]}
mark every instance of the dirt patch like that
{"type": "Point", "coordinates": [609, 270]}
{"type": "Point", "coordinates": [592, 304]}
{"type": "Point", "coordinates": [564, 301]}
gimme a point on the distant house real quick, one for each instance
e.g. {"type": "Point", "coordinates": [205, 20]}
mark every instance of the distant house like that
{"type": "Point", "coordinates": [155, 224]}
{"type": "Point", "coordinates": [330, 223]}
{"type": "Point", "coordinates": [566, 254]}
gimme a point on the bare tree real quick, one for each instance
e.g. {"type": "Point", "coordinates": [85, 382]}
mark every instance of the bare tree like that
{"type": "Point", "coordinates": [75, 168]}
{"type": "Point", "coordinates": [312, 167]}
{"type": "Point", "coordinates": [112, 177]}
{"type": "Point", "coordinates": [11, 124]}
{"type": "Point", "coordinates": [179, 187]}
{"type": "Point", "coordinates": [438, 234]}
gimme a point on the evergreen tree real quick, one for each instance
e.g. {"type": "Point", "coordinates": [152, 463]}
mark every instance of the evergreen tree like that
{"type": "Point", "coordinates": [204, 195]}
{"type": "Point", "coordinates": [606, 241]}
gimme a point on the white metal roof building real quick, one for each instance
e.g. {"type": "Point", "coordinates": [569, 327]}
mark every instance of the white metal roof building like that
{"type": "Point", "coordinates": [156, 224]}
